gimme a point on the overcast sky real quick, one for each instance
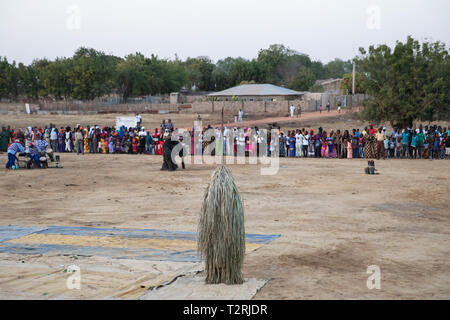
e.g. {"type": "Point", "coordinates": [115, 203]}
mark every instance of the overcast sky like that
{"type": "Point", "coordinates": [323, 29]}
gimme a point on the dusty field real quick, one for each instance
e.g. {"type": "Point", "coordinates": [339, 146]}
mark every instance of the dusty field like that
{"type": "Point", "coordinates": [334, 221]}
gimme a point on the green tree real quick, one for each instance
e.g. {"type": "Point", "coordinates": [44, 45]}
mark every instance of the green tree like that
{"type": "Point", "coordinates": [270, 60]}
{"type": "Point", "coordinates": [304, 80]}
{"type": "Point", "coordinates": [337, 68]}
{"type": "Point", "coordinates": [9, 79]}
{"type": "Point", "coordinates": [131, 76]}
{"type": "Point", "coordinates": [90, 75]}
{"type": "Point", "coordinates": [199, 73]}
{"type": "Point", "coordinates": [347, 83]}
{"type": "Point", "coordinates": [221, 75]}
{"type": "Point", "coordinates": [410, 82]}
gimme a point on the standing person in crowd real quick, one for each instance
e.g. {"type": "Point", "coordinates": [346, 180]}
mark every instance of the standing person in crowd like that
{"type": "Point", "coordinates": [320, 109]}
{"type": "Point", "coordinates": [323, 149]}
{"type": "Point", "coordinates": [90, 137]}
{"type": "Point", "coordinates": [398, 146]}
{"type": "Point", "coordinates": [405, 142]}
{"type": "Point", "coordinates": [104, 142]}
{"type": "Point", "coordinates": [292, 145]}
{"type": "Point", "coordinates": [414, 145]}
{"type": "Point", "coordinates": [392, 143]}
{"type": "Point", "coordinates": [241, 115]}
{"type": "Point", "coordinates": [79, 141]}
{"type": "Point", "coordinates": [420, 140]}
{"type": "Point", "coordinates": [148, 143]}
{"type": "Point", "coordinates": [287, 143]}
{"type": "Point", "coordinates": [157, 140]}
{"type": "Point", "coordinates": [317, 143]}
{"type": "Point", "coordinates": [298, 143]}
{"type": "Point", "coordinates": [338, 139]}
{"type": "Point", "coordinates": [61, 140]}
{"type": "Point", "coordinates": [85, 141]}
{"type": "Point", "coordinates": [68, 140]}
{"type": "Point", "coordinates": [282, 143]}
{"type": "Point", "coordinates": [292, 110]}
{"type": "Point", "coordinates": [299, 111]}
{"type": "Point", "coordinates": [330, 144]}
{"type": "Point", "coordinates": [95, 138]}
{"type": "Point", "coordinates": [386, 146]}
{"type": "Point", "coordinates": [436, 147]}
{"type": "Point", "coordinates": [355, 144]}
{"type": "Point", "coordinates": [380, 137]}
{"type": "Point", "coordinates": [345, 141]}
{"type": "Point", "coordinates": [370, 144]}
{"type": "Point", "coordinates": [306, 138]}
{"type": "Point", "coordinates": [54, 139]}
{"type": "Point", "coordinates": [328, 106]}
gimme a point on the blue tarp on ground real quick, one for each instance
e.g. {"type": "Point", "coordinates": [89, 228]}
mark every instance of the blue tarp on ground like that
{"type": "Point", "coordinates": [143, 233]}
{"type": "Point", "coordinates": [15, 232]}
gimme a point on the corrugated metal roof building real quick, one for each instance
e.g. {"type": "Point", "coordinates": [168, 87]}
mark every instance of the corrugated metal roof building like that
{"type": "Point", "coordinates": [258, 92]}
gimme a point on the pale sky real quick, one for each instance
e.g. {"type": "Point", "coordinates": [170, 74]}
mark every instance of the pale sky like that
{"type": "Point", "coordinates": [323, 29]}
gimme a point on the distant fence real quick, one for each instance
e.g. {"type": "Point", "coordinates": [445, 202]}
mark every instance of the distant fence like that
{"type": "Point", "coordinates": [280, 108]}
{"type": "Point", "coordinates": [346, 101]}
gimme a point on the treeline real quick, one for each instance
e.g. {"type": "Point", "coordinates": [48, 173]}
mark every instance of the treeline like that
{"type": "Point", "coordinates": [89, 74]}
{"type": "Point", "coordinates": [406, 83]}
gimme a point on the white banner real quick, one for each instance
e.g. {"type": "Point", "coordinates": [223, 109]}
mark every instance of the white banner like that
{"type": "Point", "coordinates": [128, 122]}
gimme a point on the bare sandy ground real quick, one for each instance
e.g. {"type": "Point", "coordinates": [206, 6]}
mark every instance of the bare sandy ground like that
{"type": "Point", "coordinates": [334, 222]}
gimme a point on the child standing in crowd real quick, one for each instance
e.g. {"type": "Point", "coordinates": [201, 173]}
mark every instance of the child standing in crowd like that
{"type": "Point", "coordinates": [392, 144]}
{"type": "Point", "coordinates": [436, 148]}
{"type": "Point", "coordinates": [386, 146]}
{"type": "Point", "coordinates": [414, 145]}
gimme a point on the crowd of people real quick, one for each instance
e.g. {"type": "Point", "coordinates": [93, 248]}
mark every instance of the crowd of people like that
{"type": "Point", "coordinates": [428, 142]}
{"type": "Point", "coordinates": [424, 142]}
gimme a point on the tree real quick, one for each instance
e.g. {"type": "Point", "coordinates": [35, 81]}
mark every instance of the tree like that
{"type": "Point", "coordinates": [337, 68]}
{"type": "Point", "coordinates": [90, 74]}
{"type": "Point", "coordinates": [221, 75]}
{"type": "Point", "coordinates": [131, 76]}
{"type": "Point", "coordinates": [410, 82]}
{"type": "Point", "coordinates": [270, 59]}
{"type": "Point", "coordinates": [199, 73]}
{"type": "Point", "coordinates": [304, 80]}
{"type": "Point", "coordinates": [9, 78]}
{"type": "Point", "coordinates": [347, 83]}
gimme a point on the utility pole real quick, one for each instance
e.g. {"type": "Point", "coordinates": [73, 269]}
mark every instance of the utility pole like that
{"type": "Point", "coordinates": [353, 82]}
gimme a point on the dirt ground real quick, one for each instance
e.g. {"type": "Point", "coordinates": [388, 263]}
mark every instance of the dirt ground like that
{"type": "Point", "coordinates": [334, 220]}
